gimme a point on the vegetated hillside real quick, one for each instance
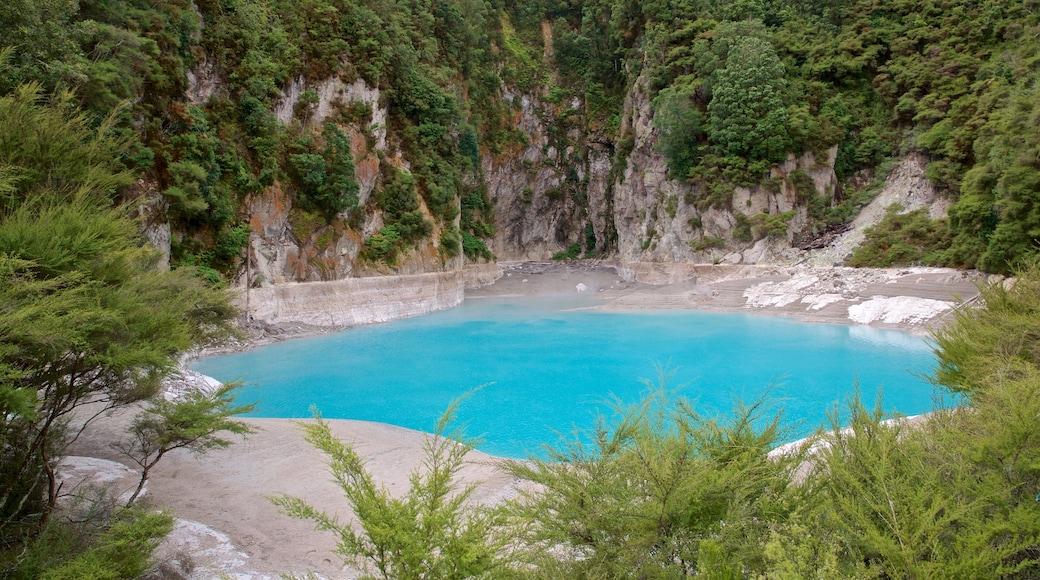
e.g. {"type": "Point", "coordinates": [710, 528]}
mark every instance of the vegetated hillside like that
{"type": "Point", "coordinates": [347, 137]}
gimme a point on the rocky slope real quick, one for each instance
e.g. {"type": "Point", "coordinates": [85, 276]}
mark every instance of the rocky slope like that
{"type": "Point", "coordinates": [556, 191]}
{"type": "Point", "coordinates": [568, 185]}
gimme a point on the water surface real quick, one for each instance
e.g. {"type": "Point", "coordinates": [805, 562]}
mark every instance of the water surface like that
{"type": "Point", "coordinates": [549, 368]}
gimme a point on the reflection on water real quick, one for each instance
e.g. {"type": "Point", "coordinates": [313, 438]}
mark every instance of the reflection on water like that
{"type": "Point", "coordinates": [550, 366]}
{"type": "Point", "coordinates": [888, 338]}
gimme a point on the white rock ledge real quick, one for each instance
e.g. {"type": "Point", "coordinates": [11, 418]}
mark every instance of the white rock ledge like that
{"type": "Point", "coordinates": [357, 301]}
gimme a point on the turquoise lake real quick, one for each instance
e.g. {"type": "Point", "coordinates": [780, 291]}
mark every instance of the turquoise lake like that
{"type": "Point", "coordinates": [549, 368]}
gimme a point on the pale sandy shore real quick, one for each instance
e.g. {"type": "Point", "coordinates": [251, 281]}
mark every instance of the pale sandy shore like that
{"type": "Point", "coordinates": [914, 299]}
{"type": "Point", "coordinates": [230, 529]}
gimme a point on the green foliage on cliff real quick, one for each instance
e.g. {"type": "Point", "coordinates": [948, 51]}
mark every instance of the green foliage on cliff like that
{"type": "Point", "coordinates": [951, 79]}
{"type": "Point", "coordinates": [747, 104]}
{"type": "Point", "coordinates": [208, 153]}
{"type": "Point", "coordinates": [735, 87]}
{"type": "Point", "coordinates": [325, 178]}
{"type": "Point", "coordinates": [902, 239]}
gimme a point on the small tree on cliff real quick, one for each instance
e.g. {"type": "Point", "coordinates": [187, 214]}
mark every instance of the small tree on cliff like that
{"type": "Point", "coordinates": [747, 110]}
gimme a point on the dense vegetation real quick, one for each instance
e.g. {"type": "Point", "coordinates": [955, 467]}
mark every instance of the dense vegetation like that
{"type": "Point", "coordinates": [87, 324]}
{"type": "Point", "coordinates": [207, 156]}
{"type": "Point", "coordinates": [739, 85]}
{"type": "Point", "coordinates": [662, 491]}
{"type": "Point", "coordinates": [95, 112]}
{"type": "Point", "coordinates": [735, 85]}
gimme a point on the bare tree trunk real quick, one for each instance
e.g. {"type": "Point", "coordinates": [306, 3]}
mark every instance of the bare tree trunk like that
{"type": "Point", "coordinates": [146, 467]}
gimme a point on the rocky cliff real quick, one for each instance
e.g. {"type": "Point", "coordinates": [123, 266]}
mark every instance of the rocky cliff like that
{"type": "Point", "coordinates": [567, 185]}
{"type": "Point", "coordinates": [295, 246]}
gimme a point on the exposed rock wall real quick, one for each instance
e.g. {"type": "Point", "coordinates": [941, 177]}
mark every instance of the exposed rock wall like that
{"type": "Point", "coordinates": [559, 189]}
{"type": "Point", "coordinates": [556, 190]}
{"type": "Point", "coordinates": [564, 185]}
{"type": "Point", "coordinates": [908, 186]}
{"type": "Point", "coordinates": [291, 246]}
{"type": "Point", "coordinates": [537, 189]}
{"type": "Point", "coordinates": [355, 301]}
{"type": "Point", "coordinates": [658, 220]}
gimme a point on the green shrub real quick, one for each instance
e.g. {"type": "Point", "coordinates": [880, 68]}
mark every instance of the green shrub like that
{"type": "Point", "coordinates": [573, 252]}
{"type": "Point", "coordinates": [768, 225]}
{"type": "Point", "coordinates": [121, 548]}
{"type": "Point", "coordinates": [326, 180]}
{"type": "Point", "coordinates": [902, 239]}
{"type": "Point", "coordinates": [742, 228]}
{"type": "Point", "coordinates": [358, 113]}
{"type": "Point", "coordinates": [1002, 340]}
{"type": "Point", "coordinates": [658, 490]}
{"type": "Point", "coordinates": [227, 248]}
{"type": "Point", "coordinates": [383, 246]}
{"type": "Point", "coordinates": [474, 248]}
{"type": "Point", "coordinates": [433, 531]}
{"type": "Point", "coordinates": [681, 128]}
{"type": "Point", "coordinates": [804, 187]}
{"type": "Point", "coordinates": [451, 243]}
{"type": "Point", "coordinates": [707, 243]}
{"type": "Point", "coordinates": [399, 201]}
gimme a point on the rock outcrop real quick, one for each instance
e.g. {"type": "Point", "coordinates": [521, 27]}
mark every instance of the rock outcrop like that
{"type": "Point", "coordinates": [357, 301]}
{"type": "Point", "coordinates": [545, 192]}
{"type": "Point", "coordinates": [569, 186]}
{"type": "Point", "coordinates": [566, 187]}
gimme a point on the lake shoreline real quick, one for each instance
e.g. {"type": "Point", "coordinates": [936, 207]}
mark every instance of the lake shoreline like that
{"type": "Point", "coordinates": [912, 299]}
{"type": "Point", "coordinates": [229, 527]}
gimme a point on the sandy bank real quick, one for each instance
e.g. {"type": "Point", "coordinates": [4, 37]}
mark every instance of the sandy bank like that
{"type": "Point", "coordinates": [230, 528]}
{"type": "Point", "coordinates": [915, 299]}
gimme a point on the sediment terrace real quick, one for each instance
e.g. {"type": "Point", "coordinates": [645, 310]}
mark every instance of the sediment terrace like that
{"type": "Point", "coordinates": [358, 301]}
{"type": "Point", "coordinates": [913, 298]}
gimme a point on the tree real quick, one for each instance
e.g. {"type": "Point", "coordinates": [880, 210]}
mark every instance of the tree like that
{"type": "Point", "coordinates": [662, 491]}
{"type": "Point", "coordinates": [431, 533]}
{"type": "Point", "coordinates": [194, 422]}
{"type": "Point", "coordinates": [983, 344]}
{"type": "Point", "coordinates": [952, 496]}
{"type": "Point", "coordinates": [681, 127]}
{"type": "Point", "coordinates": [327, 181]}
{"type": "Point", "coordinates": [85, 315]}
{"type": "Point", "coordinates": [44, 34]}
{"type": "Point", "coordinates": [747, 109]}
{"type": "Point", "coordinates": [49, 148]}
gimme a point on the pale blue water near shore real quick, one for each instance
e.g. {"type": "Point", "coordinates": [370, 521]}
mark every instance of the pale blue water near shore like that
{"type": "Point", "coordinates": [551, 368]}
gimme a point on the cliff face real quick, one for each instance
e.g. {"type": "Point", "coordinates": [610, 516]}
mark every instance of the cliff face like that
{"type": "Point", "coordinates": [289, 245]}
{"type": "Point", "coordinates": [280, 142]}
{"type": "Point", "coordinates": [549, 193]}
{"type": "Point", "coordinates": [657, 218]}
{"type": "Point", "coordinates": [548, 198]}
{"type": "Point", "coordinates": [553, 192]}
{"type": "Point", "coordinates": [567, 186]}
